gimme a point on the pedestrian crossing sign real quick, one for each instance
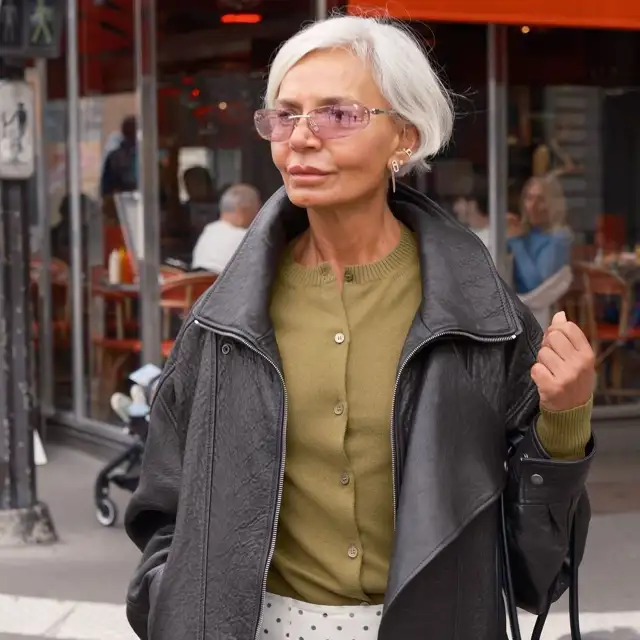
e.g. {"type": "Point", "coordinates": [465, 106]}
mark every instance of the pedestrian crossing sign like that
{"type": "Point", "coordinates": [31, 28]}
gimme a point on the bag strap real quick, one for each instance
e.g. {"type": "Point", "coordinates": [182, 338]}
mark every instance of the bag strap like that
{"type": "Point", "coordinates": [512, 611]}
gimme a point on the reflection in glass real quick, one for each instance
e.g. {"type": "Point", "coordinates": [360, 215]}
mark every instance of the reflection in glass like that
{"type": "Point", "coordinates": [574, 137]}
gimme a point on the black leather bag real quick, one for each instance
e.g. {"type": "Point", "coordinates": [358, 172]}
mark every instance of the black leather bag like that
{"type": "Point", "coordinates": [512, 611]}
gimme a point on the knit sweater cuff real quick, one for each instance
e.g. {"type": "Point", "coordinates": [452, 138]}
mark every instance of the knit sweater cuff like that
{"type": "Point", "coordinates": [565, 434]}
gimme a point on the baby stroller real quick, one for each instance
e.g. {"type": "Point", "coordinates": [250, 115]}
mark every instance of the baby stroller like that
{"type": "Point", "coordinates": [123, 471]}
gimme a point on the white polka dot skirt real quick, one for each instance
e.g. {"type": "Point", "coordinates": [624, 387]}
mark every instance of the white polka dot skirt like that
{"type": "Point", "coordinates": [287, 619]}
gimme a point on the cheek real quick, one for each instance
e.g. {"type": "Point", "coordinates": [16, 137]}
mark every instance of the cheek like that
{"type": "Point", "coordinates": [360, 154]}
{"type": "Point", "coordinates": [279, 152]}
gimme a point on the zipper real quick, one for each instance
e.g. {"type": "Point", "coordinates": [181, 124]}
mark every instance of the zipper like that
{"type": "Point", "coordinates": [393, 430]}
{"type": "Point", "coordinates": [283, 448]}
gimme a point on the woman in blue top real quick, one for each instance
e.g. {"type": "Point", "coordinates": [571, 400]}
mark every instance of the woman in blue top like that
{"type": "Point", "coordinates": [539, 241]}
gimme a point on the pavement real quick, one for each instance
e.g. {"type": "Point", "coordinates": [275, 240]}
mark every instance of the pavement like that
{"type": "Point", "coordinates": [75, 589]}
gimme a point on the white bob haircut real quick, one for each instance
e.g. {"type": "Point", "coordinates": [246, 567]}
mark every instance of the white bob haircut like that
{"type": "Point", "coordinates": [400, 67]}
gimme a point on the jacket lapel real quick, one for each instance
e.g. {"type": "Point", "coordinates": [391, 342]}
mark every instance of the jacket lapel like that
{"type": "Point", "coordinates": [461, 288]}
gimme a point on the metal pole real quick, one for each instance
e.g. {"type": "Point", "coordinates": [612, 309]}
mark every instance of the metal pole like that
{"type": "Point", "coordinates": [22, 517]}
{"type": "Point", "coordinates": [5, 429]}
{"type": "Point", "coordinates": [73, 164]}
{"type": "Point", "coordinates": [146, 68]}
{"type": "Point", "coordinates": [16, 226]}
{"type": "Point", "coordinates": [321, 9]}
{"type": "Point", "coordinates": [497, 144]}
{"type": "Point", "coordinates": [45, 315]}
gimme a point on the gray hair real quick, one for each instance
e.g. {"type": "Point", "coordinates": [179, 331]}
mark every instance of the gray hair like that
{"type": "Point", "coordinates": [240, 197]}
{"type": "Point", "coordinates": [400, 67]}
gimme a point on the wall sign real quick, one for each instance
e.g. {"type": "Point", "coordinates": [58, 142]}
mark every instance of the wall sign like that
{"type": "Point", "coordinates": [17, 157]}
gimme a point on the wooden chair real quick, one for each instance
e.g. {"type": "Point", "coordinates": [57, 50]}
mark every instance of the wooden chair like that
{"type": "Point", "coordinates": [177, 295]}
{"type": "Point", "coordinates": [60, 301]}
{"type": "Point", "coordinates": [608, 338]}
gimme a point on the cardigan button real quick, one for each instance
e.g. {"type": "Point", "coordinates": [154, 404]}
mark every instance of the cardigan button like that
{"type": "Point", "coordinates": [344, 478]}
{"type": "Point", "coordinates": [352, 552]}
{"type": "Point", "coordinates": [537, 479]}
{"type": "Point", "coordinates": [339, 338]}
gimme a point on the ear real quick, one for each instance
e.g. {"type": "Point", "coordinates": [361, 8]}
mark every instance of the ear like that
{"type": "Point", "coordinates": [410, 139]}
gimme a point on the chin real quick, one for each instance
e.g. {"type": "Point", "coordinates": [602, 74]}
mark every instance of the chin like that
{"type": "Point", "coordinates": [309, 197]}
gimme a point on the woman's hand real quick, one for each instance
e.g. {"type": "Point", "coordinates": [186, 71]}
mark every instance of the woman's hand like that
{"type": "Point", "coordinates": [514, 226]}
{"type": "Point", "coordinates": [565, 370]}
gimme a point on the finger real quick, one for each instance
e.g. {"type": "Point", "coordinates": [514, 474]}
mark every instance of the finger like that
{"type": "Point", "coordinates": [573, 332]}
{"type": "Point", "coordinates": [542, 377]}
{"type": "Point", "coordinates": [550, 359]}
{"type": "Point", "coordinates": [559, 318]}
{"type": "Point", "coordinates": [558, 342]}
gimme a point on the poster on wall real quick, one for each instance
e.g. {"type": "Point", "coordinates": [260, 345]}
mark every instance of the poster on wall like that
{"type": "Point", "coordinates": [17, 120]}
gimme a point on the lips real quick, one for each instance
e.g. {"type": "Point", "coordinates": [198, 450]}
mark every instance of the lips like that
{"type": "Point", "coordinates": [299, 170]}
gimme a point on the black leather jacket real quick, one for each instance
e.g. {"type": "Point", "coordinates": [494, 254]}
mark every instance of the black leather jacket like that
{"type": "Point", "coordinates": [206, 510]}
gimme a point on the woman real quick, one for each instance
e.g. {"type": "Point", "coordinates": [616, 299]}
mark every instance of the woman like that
{"type": "Point", "coordinates": [539, 239]}
{"type": "Point", "coordinates": [332, 428]}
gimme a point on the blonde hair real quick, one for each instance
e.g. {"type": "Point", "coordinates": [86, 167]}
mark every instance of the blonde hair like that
{"type": "Point", "coordinates": [400, 66]}
{"type": "Point", "coordinates": [554, 198]}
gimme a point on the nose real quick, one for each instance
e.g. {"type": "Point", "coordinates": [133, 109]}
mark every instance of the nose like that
{"type": "Point", "coordinates": [302, 137]}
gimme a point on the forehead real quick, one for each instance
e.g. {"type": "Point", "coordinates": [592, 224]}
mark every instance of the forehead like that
{"type": "Point", "coordinates": [322, 76]}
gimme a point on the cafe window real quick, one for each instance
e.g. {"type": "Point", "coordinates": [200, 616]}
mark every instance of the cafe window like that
{"type": "Point", "coordinates": [574, 154]}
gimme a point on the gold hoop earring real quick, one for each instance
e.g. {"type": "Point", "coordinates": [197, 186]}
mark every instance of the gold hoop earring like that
{"type": "Point", "coordinates": [395, 167]}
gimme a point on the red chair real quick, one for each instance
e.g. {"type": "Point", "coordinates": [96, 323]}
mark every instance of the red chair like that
{"type": "Point", "coordinates": [61, 313]}
{"type": "Point", "coordinates": [608, 338]}
{"type": "Point", "coordinates": [177, 295]}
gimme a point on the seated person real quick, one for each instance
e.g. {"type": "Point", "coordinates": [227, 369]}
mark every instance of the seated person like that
{"type": "Point", "coordinates": [201, 205]}
{"type": "Point", "coordinates": [538, 239]}
{"type": "Point", "coordinates": [478, 217]}
{"type": "Point", "coordinates": [219, 240]}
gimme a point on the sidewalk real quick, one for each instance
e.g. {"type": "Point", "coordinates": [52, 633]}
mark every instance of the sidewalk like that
{"type": "Point", "coordinates": [75, 590]}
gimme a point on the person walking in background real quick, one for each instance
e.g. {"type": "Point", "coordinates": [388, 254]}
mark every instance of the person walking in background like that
{"type": "Point", "coordinates": [346, 407]}
{"type": "Point", "coordinates": [220, 239]}
{"type": "Point", "coordinates": [539, 239]}
{"type": "Point", "coordinates": [120, 168]}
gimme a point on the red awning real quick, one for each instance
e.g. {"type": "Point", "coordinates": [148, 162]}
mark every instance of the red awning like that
{"type": "Point", "coordinates": [615, 14]}
{"type": "Point", "coordinates": [105, 27]}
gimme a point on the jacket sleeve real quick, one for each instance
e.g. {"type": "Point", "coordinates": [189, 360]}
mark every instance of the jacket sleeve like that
{"type": "Point", "coordinates": [544, 497]}
{"type": "Point", "coordinates": [151, 515]}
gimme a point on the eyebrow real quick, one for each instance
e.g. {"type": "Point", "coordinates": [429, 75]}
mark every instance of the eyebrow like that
{"type": "Point", "coordinates": [322, 102]}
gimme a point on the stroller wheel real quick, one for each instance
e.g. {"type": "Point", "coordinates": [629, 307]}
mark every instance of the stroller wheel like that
{"type": "Point", "coordinates": [107, 512]}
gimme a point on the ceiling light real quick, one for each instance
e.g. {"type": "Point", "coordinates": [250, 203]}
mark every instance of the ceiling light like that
{"type": "Point", "coordinates": [241, 18]}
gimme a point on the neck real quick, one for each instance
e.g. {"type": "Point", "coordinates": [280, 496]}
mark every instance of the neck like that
{"type": "Point", "coordinates": [479, 223]}
{"type": "Point", "coordinates": [234, 218]}
{"type": "Point", "coordinates": [359, 233]}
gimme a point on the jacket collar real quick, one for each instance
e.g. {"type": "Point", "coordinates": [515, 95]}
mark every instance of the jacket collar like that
{"type": "Point", "coordinates": [462, 291]}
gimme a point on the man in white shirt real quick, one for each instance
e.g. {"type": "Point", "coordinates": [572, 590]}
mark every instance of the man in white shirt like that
{"type": "Point", "coordinates": [219, 240]}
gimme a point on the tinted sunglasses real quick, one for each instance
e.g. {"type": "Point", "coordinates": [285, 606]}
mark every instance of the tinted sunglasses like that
{"type": "Point", "coordinates": [326, 123]}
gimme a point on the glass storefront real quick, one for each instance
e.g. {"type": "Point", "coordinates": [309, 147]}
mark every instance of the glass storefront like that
{"type": "Point", "coordinates": [152, 120]}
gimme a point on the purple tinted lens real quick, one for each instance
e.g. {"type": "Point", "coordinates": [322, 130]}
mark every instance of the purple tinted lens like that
{"type": "Point", "coordinates": [273, 124]}
{"type": "Point", "coordinates": [338, 121]}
